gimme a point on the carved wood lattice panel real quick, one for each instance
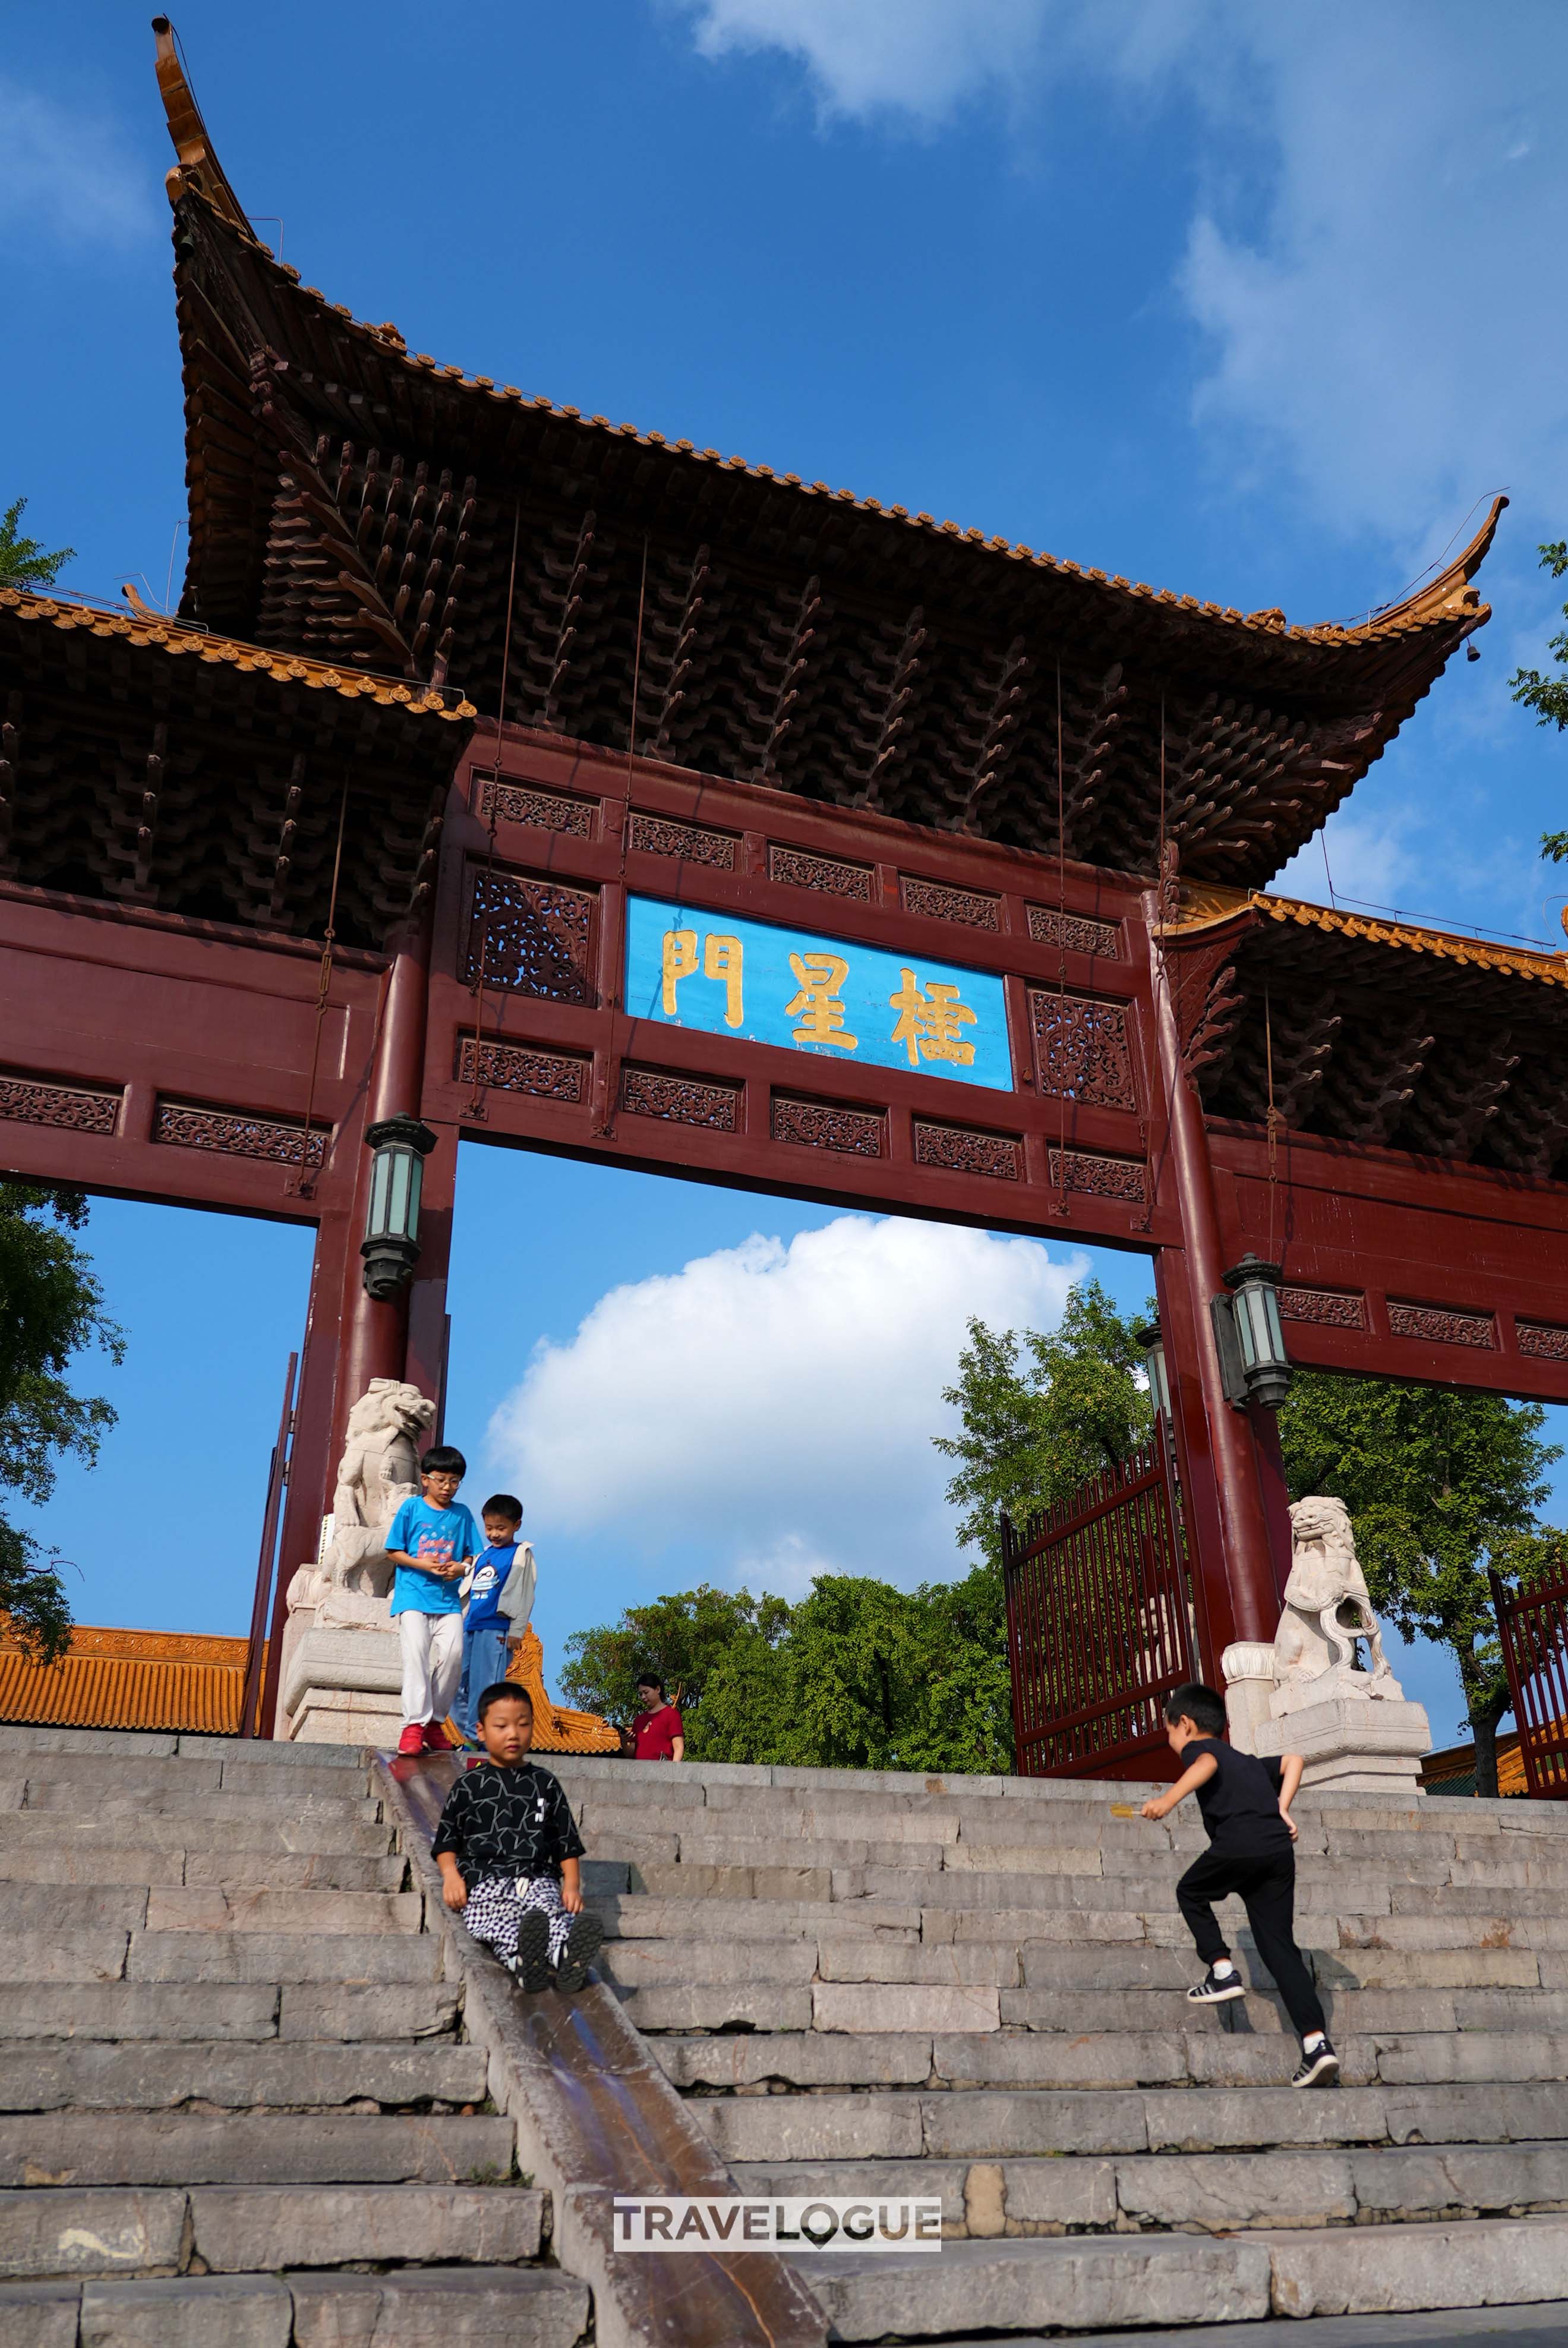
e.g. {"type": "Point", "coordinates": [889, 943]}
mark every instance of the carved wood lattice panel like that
{"type": "Point", "coordinates": [824, 1125]}
{"type": "Point", "coordinates": [802, 870]}
{"type": "Point", "coordinates": [962, 1152]}
{"type": "Point", "coordinates": [1440, 1328]}
{"type": "Point", "coordinates": [59, 1104]}
{"type": "Point", "coordinates": [518, 1068]}
{"type": "Point", "coordinates": [540, 938]}
{"type": "Point", "coordinates": [941, 903]}
{"type": "Point", "coordinates": [1081, 1050]}
{"type": "Point", "coordinates": [1048, 926]}
{"type": "Point", "coordinates": [1328, 1308]}
{"type": "Point", "coordinates": [681, 1099]}
{"type": "Point", "coordinates": [1542, 1341]}
{"type": "Point", "coordinates": [1100, 1178]}
{"type": "Point", "coordinates": [689, 843]}
{"type": "Point", "coordinates": [546, 810]}
{"type": "Point", "coordinates": [234, 1135]}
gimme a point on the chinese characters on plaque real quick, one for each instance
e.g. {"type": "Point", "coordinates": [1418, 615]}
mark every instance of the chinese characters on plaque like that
{"type": "Point", "coordinates": [753, 980]}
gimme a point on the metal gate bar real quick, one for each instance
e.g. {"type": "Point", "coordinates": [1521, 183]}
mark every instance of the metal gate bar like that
{"type": "Point", "coordinates": [1100, 1625]}
{"type": "Point", "coordinates": [1533, 1626]}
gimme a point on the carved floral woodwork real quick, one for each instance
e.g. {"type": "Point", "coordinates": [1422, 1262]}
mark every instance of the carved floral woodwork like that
{"type": "Point", "coordinates": [523, 1068]}
{"type": "Point", "coordinates": [530, 937]}
{"type": "Point", "coordinates": [514, 802]}
{"type": "Point", "coordinates": [941, 903]}
{"type": "Point", "coordinates": [821, 1125]}
{"type": "Point", "coordinates": [1326, 1308]}
{"type": "Point", "coordinates": [689, 843]}
{"type": "Point", "coordinates": [1049, 926]}
{"type": "Point", "coordinates": [826, 873]}
{"type": "Point", "coordinates": [233, 1134]}
{"type": "Point", "coordinates": [71, 1106]}
{"type": "Point", "coordinates": [1081, 1049]}
{"type": "Point", "coordinates": [679, 1099]}
{"type": "Point", "coordinates": [963, 1151]}
{"type": "Point", "coordinates": [1100, 1177]}
{"type": "Point", "coordinates": [1438, 1328]}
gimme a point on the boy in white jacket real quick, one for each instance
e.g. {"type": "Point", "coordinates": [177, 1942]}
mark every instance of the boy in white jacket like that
{"type": "Point", "coordinates": [498, 1591]}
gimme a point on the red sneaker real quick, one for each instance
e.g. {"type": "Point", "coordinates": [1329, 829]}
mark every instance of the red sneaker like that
{"type": "Point", "coordinates": [412, 1738]}
{"type": "Point", "coordinates": [435, 1738]}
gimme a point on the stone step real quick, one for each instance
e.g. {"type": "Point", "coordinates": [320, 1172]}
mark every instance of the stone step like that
{"type": "Point", "coordinates": [80, 2149]}
{"type": "Point", "coordinates": [81, 2075]}
{"type": "Point", "coordinates": [1349, 2010]}
{"type": "Point", "coordinates": [822, 2058]}
{"type": "Point", "coordinates": [100, 1743]}
{"type": "Point", "coordinates": [213, 1909]}
{"type": "Point", "coordinates": [1087, 2283]}
{"type": "Point", "coordinates": [1209, 2192]}
{"type": "Point", "coordinates": [203, 1774]}
{"type": "Point", "coordinates": [347, 1957]}
{"type": "Point", "coordinates": [531, 2307]}
{"type": "Point", "coordinates": [259, 2228]}
{"type": "Point", "coordinates": [130, 1862]}
{"type": "Point", "coordinates": [991, 2125]}
{"type": "Point", "coordinates": [335, 1837]}
{"type": "Point", "coordinates": [1077, 2283]}
{"type": "Point", "coordinates": [174, 2011]}
{"type": "Point", "coordinates": [47, 1798]}
{"type": "Point", "coordinates": [716, 2005]}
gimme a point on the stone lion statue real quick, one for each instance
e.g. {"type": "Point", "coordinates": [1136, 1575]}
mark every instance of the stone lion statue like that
{"type": "Point", "coordinates": [378, 1471]}
{"type": "Point", "coordinates": [1328, 1607]}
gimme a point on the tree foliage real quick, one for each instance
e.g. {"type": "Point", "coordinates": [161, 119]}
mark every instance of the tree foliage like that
{"type": "Point", "coordinates": [51, 1307]}
{"type": "Point", "coordinates": [1031, 1432]}
{"type": "Point", "coordinates": [679, 1638]}
{"type": "Point", "coordinates": [27, 562]}
{"type": "Point", "coordinates": [1548, 695]}
{"type": "Point", "coordinates": [1441, 1484]}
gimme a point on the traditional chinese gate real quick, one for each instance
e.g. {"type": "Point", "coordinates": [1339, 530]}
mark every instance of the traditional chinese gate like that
{"type": "Point", "coordinates": [1100, 1624]}
{"type": "Point", "coordinates": [654, 808]}
{"type": "Point", "coordinates": [1533, 1626]}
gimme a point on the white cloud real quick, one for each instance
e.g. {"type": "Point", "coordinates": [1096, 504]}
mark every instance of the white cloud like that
{"type": "Point", "coordinates": [1380, 198]}
{"type": "Point", "coordinates": [864, 57]}
{"type": "Point", "coordinates": [67, 176]}
{"type": "Point", "coordinates": [772, 1407]}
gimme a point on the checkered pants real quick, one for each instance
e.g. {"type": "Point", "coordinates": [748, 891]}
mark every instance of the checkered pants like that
{"type": "Point", "coordinates": [496, 1905]}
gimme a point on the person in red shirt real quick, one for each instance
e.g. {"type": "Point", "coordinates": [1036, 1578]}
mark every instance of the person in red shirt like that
{"type": "Point", "coordinates": [658, 1730]}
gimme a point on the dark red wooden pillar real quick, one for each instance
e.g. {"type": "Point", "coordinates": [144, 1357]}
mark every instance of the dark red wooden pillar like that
{"type": "Point", "coordinates": [313, 1459]}
{"type": "Point", "coordinates": [375, 1334]}
{"type": "Point", "coordinates": [1246, 1591]}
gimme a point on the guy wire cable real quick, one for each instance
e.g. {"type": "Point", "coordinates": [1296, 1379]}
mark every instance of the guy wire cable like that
{"type": "Point", "coordinates": [1059, 1207]}
{"type": "Point", "coordinates": [606, 1126]}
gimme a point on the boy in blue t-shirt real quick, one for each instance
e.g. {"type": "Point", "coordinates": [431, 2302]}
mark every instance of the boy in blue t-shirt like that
{"type": "Point", "coordinates": [431, 1540]}
{"type": "Point", "coordinates": [497, 1591]}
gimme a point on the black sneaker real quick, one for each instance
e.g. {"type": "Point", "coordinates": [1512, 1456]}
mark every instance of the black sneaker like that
{"type": "Point", "coordinates": [1319, 2069]}
{"type": "Point", "coordinates": [581, 1948]}
{"type": "Point", "coordinates": [531, 1967]}
{"type": "Point", "coordinates": [1216, 1989]}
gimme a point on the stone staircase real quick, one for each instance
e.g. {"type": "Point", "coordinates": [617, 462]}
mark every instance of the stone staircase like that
{"type": "Point", "coordinates": [973, 1988]}
{"type": "Point", "coordinates": [237, 2106]}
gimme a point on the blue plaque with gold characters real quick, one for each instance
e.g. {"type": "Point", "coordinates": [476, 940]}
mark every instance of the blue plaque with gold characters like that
{"type": "Point", "coordinates": [807, 993]}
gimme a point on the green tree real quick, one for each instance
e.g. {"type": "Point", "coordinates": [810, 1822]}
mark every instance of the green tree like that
{"type": "Point", "coordinates": [1548, 695]}
{"type": "Point", "coordinates": [26, 561]}
{"type": "Point", "coordinates": [680, 1638]}
{"type": "Point", "coordinates": [1441, 1484]}
{"type": "Point", "coordinates": [51, 1306]}
{"type": "Point", "coordinates": [1030, 1435]}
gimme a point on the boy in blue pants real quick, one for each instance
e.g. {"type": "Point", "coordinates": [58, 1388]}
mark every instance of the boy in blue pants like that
{"type": "Point", "coordinates": [499, 1592]}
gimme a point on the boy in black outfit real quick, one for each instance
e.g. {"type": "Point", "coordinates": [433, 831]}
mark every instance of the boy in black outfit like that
{"type": "Point", "coordinates": [1245, 1804]}
{"type": "Point", "coordinates": [508, 1851]}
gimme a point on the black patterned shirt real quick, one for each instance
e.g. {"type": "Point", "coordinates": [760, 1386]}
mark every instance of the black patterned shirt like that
{"type": "Point", "coordinates": [512, 1821]}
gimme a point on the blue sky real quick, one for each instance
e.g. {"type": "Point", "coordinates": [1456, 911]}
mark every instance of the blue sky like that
{"type": "Point", "coordinates": [1256, 304]}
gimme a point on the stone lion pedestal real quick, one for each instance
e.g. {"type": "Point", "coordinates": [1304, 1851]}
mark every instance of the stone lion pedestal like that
{"type": "Point", "coordinates": [1307, 1693]}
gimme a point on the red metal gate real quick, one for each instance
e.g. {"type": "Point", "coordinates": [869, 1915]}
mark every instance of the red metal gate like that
{"type": "Point", "coordinates": [1099, 1625]}
{"type": "Point", "coordinates": [1533, 1626]}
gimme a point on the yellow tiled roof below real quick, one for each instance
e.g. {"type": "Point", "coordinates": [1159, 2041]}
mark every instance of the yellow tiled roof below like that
{"type": "Point", "coordinates": [135, 1679]}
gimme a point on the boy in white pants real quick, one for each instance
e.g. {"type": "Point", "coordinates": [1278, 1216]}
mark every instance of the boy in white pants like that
{"type": "Point", "coordinates": [431, 1540]}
